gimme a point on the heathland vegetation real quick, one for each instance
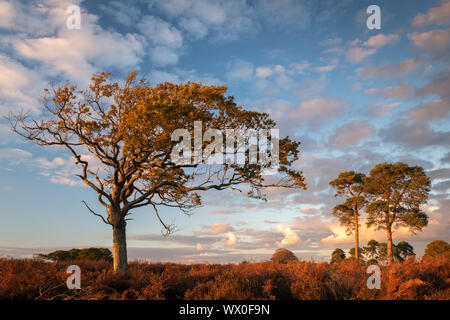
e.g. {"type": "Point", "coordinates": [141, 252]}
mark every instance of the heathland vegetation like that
{"type": "Point", "coordinates": [283, 277]}
{"type": "Point", "coordinates": [412, 279]}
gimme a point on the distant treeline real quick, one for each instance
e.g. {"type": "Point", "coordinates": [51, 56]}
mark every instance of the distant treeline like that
{"type": "Point", "coordinates": [87, 254]}
{"type": "Point", "coordinates": [376, 252]}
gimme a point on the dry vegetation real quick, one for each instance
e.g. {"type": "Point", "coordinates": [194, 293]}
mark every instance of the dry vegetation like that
{"type": "Point", "coordinates": [35, 279]}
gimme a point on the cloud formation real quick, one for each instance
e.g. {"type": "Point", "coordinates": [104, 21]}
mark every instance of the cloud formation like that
{"type": "Point", "coordinates": [352, 133]}
{"type": "Point", "coordinates": [434, 43]}
{"type": "Point", "coordinates": [381, 40]}
{"type": "Point", "coordinates": [290, 237]}
{"type": "Point", "coordinates": [388, 71]}
{"type": "Point", "coordinates": [439, 15]}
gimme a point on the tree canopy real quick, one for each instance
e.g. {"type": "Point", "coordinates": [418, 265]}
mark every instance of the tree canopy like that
{"type": "Point", "coordinates": [437, 248]}
{"type": "Point", "coordinates": [338, 255]}
{"type": "Point", "coordinates": [395, 194]}
{"type": "Point", "coordinates": [283, 256]}
{"type": "Point", "coordinates": [352, 254]}
{"type": "Point", "coordinates": [400, 251]}
{"type": "Point", "coordinates": [371, 250]}
{"type": "Point", "coordinates": [87, 254]}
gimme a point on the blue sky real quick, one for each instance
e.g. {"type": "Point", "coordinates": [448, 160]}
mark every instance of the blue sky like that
{"type": "Point", "coordinates": [354, 97]}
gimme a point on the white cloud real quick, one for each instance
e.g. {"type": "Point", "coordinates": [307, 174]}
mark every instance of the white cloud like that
{"type": "Point", "coordinates": [231, 239]}
{"type": "Point", "coordinates": [356, 54]}
{"type": "Point", "coordinates": [263, 72]}
{"type": "Point", "coordinates": [31, 18]}
{"type": "Point", "coordinates": [380, 40]}
{"type": "Point", "coordinates": [20, 87]}
{"type": "Point", "coordinates": [225, 20]}
{"type": "Point", "coordinates": [267, 71]}
{"type": "Point", "coordinates": [358, 51]}
{"type": "Point", "coordinates": [14, 155]}
{"type": "Point", "coordinates": [178, 75]}
{"type": "Point", "coordinates": [157, 76]}
{"type": "Point", "coordinates": [339, 235]}
{"type": "Point", "coordinates": [195, 27]}
{"type": "Point", "coordinates": [209, 254]}
{"type": "Point", "coordinates": [7, 15]}
{"type": "Point", "coordinates": [328, 67]}
{"type": "Point", "coordinates": [77, 54]}
{"type": "Point", "coordinates": [66, 181]}
{"type": "Point", "coordinates": [215, 229]}
{"type": "Point", "coordinates": [59, 170]}
{"type": "Point", "coordinates": [164, 56]}
{"type": "Point", "coordinates": [290, 237]}
{"type": "Point", "coordinates": [63, 170]}
{"type": "Point", "coordinates": [240, 70]}
{"type": "Point", "coordinates": [298, 67]}
{"type": "Point", "coordinates": [160, 32]}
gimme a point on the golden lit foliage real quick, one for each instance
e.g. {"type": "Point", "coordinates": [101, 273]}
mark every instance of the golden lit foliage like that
{"type": "Point", "coordinates": [34, 279]}
{"type": "Point", "coordinates": [127, 129]}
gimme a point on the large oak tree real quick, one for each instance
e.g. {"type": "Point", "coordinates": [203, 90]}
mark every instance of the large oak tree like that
{"type": "Point", "coordinates": [127, 129]}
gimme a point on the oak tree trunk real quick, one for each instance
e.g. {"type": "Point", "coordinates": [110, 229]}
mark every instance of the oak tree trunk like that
{"type": "Point", "coordinates": [120, 260]}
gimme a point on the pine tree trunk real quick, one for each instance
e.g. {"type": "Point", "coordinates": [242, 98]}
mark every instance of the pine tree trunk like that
{"type": "Point", "coordinates": [356, 236]}
{"type": "Point", "coordinates": [120, 260]}
{"type": "Point", "coordinates": [389, 244]}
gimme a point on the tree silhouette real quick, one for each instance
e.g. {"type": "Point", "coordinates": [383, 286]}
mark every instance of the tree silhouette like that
{"type": "Point", "coordinates": [396, 193]}
{"type": "Point", "coordinates": [352, 254]}
{"type": "Point", "coordinates": [87, 254]}
{"type": "Point", "coordinates": [283, 256]}
{"type": "Point", "coordinates": [337, 256]}
{"type": "Point", "coordinates": [371, 250]}
{"type": "Point", "coordinates": [437, 248]}
{"type": "Point", "coordinates": [400, 252]}
{"type": "Point", "coordinates": [128, 129]}
{"type": "Point", "coordinates": [351, 185]}
{"type": "Point", "coordinates": [405, 250]}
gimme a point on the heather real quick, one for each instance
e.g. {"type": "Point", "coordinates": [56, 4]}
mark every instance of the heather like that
{"type": "Point", "coordinates": [304, 280]}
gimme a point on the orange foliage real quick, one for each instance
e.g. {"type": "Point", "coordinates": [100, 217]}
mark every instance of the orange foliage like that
{"type": "Point", "coordinates": [34, 279]}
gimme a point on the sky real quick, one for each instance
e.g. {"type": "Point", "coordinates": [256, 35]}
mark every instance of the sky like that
{"type": "Point", "coordinates": [353, 96]}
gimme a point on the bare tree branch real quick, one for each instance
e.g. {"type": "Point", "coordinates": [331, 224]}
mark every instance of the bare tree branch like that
{"type": "Point", "coordinates": [96, 214]}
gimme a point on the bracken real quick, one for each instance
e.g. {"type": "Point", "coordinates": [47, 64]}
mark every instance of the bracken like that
{"type": "Point", "coordinates": [34, 279]}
